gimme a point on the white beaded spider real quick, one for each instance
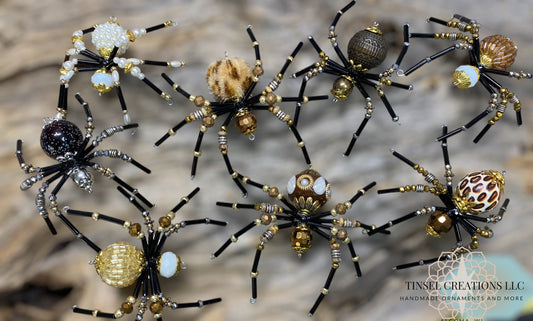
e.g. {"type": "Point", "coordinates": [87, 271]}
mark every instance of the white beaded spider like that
{"type": "Point", "coordinates": [111, 41]}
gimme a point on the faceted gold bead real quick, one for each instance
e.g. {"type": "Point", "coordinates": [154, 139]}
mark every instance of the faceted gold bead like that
{"type": "Point", "coordinates": [164, 221]}
{"type": "Point", "coordinates": [438, 224]}
{"type": "Point", "coordinates": [120, 264]}
{"type": "Point", "coordinates": [126, 307]}
{"type": "Point", "coordinates": [135, 229]}
{"type": "Point", "coordinates": [156, 307]}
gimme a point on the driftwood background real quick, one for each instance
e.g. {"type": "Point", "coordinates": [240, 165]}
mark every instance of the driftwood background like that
{"type": "Point", "coordinates": [42, 276]}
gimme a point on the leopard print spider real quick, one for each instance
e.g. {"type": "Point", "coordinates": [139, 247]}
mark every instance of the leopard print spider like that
{"type": "Point", "coordinates": [111, 42]}
{"type": "Point", "coordinates": [232, 81]}
{"type": "Point", "coordinates": [477, 193]}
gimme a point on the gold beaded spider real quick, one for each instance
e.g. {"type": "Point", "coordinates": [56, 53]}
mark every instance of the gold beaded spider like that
{"type": "Point", "coordinates": [366, 50]}
{"type": "Point", "coordinates": [308, 192]}
{"type": "Point", "coordinates": [476, 193]}
{"type": "Point", "coordinates": [123, 264]}
{"type": "Point", "coordinates": [63, 141]}
{"type": "Point", "coordinates": [493, 55]}
{"type": "Point", "coordinates": [111, 41]}
{"type": "Point", "coordinates": [232, 82]}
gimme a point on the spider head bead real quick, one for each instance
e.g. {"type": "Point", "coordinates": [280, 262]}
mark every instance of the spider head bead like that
{"type": "Point", "coordinates": [439, 223]}
{"type": "Point", "coordinates": [308, 191]}
{"type": "Point", "coordinates": [61, 139]}
{"type": "Point", "coordinates": [479, 192]}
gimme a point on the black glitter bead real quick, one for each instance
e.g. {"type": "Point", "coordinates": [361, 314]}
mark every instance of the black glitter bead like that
{"type": "Point", "coordinates": [60, 137]}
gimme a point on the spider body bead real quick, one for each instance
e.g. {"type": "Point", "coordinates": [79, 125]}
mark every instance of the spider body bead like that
{"type": "Point", "coordinates": [229, 78]}
{"type": "Point", "coordinates": [61, 139]}
{"type": "Point", "coordinates": [479, 192]}
{"type": "Point", "coordinates": [308, 191]}
{"type": "Point", "coordinates": [367, 48]}
{"type": "Point", "coordinates": [497, 52]}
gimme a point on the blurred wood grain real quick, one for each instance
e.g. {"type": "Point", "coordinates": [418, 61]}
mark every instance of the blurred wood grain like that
{"type": "Point", "coordinates": [42, 276]}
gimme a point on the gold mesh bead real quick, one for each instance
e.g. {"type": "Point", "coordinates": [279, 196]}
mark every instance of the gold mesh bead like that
{"type": "Point", "coordinates": [120, 264]}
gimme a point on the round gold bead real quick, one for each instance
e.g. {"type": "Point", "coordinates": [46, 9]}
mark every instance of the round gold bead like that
{"type": "Point", "coordinates": [135, 229]}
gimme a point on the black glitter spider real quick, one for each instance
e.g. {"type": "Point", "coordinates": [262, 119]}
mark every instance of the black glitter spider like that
{"type": "Point", "coordinates": [111, 41]}
{"type": "Point", "coordinates": [232, 81]}
{"type": "Point", "coordinates": [122, 264]}
{"type": "Point", "coordinates": [308, 192]}
{"type": "Point", "coordinates": [63, 141]}
{"type": "Point", "coordinates": [366, 50]}
{"type": "Point", "coordinates": [492, 55]}
{"type": "Point", "coordinates": [476, 193]}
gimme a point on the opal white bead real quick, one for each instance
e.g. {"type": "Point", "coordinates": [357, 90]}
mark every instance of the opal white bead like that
{"type": "Point", "coordinates": [168, 264]}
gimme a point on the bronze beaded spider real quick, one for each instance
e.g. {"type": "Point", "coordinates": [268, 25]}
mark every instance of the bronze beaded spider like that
{"type": "Point", "coordinates": [123, 264]}
{"type": "Point", "coordinates": [111, 41]}
{"type": "Point", "coordinates": [74, 152]}
{"type": "Point", "coordinates": [476, 193]}
{"type": "Point", "coordinates": [308, 192]}
{"type": "Point", "coordinates": [232, 81]}
{"type": "Point", "coordinates": [366, 50]}
{"type": "Point", "coordinates": [492, 55]}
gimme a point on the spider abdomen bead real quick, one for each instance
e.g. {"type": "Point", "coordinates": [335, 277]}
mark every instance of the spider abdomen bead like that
{"type": "Point", "coordinates": [367, 48]}
{"type": "Point", "coordinates": [59, 138]}
{"type": "Point", "coordinates": [479, 192]}
{"type": "Point", "coordinates": [497, 52]}
{"type": "Point", "coordinates": [120, 264]}
{"type": "Point", "coordinates": [229, 78]}
{"type": "Point", "coordinates": [308, 190]}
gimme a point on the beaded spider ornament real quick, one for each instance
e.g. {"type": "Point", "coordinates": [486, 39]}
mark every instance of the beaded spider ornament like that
{"type": "Point", "coordinates": [74, 152]}
{"type": "Point", "coordinates": [366, 50]}
{"type": "Point", "coordinates": [111, 42]}
{"type": "Point", "coordinates": [308, 192]}
{"type": "Point", "coordinates": [476, 193]}
{"type": "Point", "coordinates": [123, 264]}
{"type": "Point", "coordinates": [493, 55]}
{"type": "Point", "coordinates": [232, 81]}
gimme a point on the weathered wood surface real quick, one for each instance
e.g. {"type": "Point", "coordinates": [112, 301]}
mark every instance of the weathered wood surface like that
{"type": "Point", "coordinates": [42, 276]}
